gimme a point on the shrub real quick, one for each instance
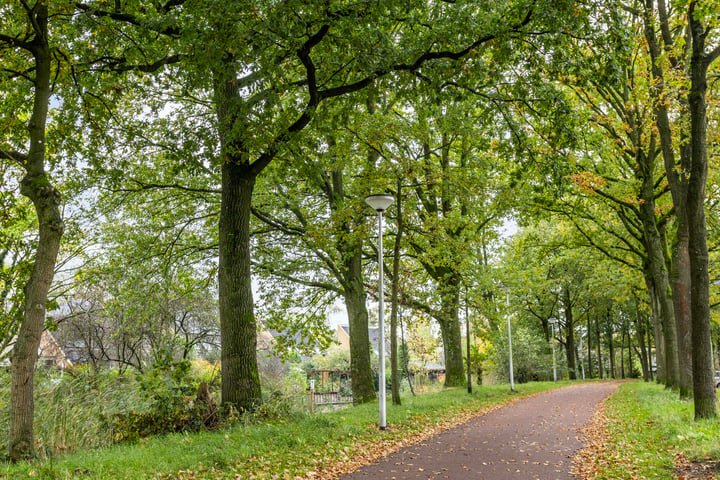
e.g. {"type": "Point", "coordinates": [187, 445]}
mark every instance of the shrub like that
{"type": "Point", "coordinates": [177, 403]}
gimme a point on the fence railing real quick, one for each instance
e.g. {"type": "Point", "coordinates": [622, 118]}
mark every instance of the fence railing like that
{"type": "Point", "coordinates": [322, 399]}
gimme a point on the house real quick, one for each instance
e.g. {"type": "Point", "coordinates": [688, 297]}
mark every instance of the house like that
{"type": "Point", "coordinates": [343, 338]}
{"type": "Point", "coordinates": [49, 353]}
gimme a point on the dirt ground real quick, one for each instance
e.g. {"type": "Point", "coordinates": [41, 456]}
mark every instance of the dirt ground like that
{"type": "Point", "coordinates": [535, 438]}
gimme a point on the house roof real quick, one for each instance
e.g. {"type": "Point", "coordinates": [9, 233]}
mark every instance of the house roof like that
{"type": "Point", "coordinates": [374, 334]}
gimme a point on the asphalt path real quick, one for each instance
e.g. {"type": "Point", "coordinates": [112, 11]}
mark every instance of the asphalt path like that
{"type": "Point", "coordinates": [534, 438]}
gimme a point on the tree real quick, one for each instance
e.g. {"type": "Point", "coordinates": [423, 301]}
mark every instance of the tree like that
{"type": "Point", "coordinates": [268, 69]}
{"type": "Point", "coordinates": [31, 63]}
{"type": "Point", "coordinates": [701, 23]}
{"type": "Point", "coordinates": [629, 180]}
{"type": "Point", "coordinates": [553, 274]}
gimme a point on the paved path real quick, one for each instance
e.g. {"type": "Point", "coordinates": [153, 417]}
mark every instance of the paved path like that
{"type": "Point", "coordinates": [535, 438]}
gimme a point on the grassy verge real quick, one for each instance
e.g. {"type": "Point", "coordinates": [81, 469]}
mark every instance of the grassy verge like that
{"type": "Point", "coordinates": [648, 427]}
{"type": "Point", "coordinates": [286, 449]}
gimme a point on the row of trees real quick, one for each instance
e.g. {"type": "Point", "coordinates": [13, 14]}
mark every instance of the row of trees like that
{"type": "Point", "coordinates": [200, 143]}
{"type": "Point", "coordinates": [642, 175]}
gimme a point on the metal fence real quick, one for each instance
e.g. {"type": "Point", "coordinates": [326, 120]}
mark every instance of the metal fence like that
{"type": "Point", "coordinates": [329, 388]}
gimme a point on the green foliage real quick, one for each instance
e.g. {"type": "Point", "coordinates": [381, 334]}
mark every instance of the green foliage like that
{"type": "Point", "coordinates": [170, 406]}
{"type": "Point", "coordinates": [16, 246]}
{"type": "Point", "coordinates": [532, 357]}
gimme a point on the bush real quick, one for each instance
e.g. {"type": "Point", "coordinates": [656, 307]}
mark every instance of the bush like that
{"type": "Point", "coordinates": [177, 404]}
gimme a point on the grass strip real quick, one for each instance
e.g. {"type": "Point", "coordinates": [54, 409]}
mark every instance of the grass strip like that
{"type": "Point", "coordinates": [294, 448]}
{"type": "Point", "coordinates": [653, 434]}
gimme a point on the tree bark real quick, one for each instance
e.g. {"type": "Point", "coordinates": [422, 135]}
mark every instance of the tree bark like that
{"type": "Point", "coordinates": [657, 269]}
{"type": "Point", "coordinates": [656, 329]}
{"type": "Point", "coordinates": [703, 387]}
{"type": "Point", "coordinates": [622, 351]}
{"type": "Point", "coordinates": [629, 347]}
{"type": "Point", "coordinates": [640, 333]}
{"type": "Point", "coordinates": [394, 293]}
{"type": "Point", "coordinates": [238, 330]}
{"type": "Point", "coordinates": [363, 387]}
{"type": "Point", "coordinates": [570, 350]}
{"type": "Point", "coordinates": [681, 288]}
{"type": "Point", "coordinates": [611, 347]}
{"type": "Point", "coordinates": [449, 321]}
{"type": "Point", "coordinates": [677, 181]}
{"type": "Point", "coordinates": [598, 344]}
{"type": "Point", "coordinates": [46, 200]}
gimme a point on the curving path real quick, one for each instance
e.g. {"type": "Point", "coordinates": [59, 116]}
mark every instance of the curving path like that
{"type": "Point", "coordinates": [534, 438]}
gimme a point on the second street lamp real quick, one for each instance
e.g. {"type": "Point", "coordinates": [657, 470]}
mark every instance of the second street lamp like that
{"type": "Point", "coordinates": [553, 322]}
{"type": "Point", "coordinates": [506, 290]}
{"type": "Point", "coordinates": [512, 379]}
{"type": "Point", "coordinates": [380, 203]}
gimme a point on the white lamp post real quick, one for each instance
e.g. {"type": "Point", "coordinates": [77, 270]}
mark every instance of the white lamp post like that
{"type": "Point", "coordinates": [553, 321]}
{"type": "Point", "coordinates": [582, 364]}
{"type": "Point", "coordinates": [380, 203]}
{"type": "Point", "coordinates": [512, 379]}
{"type": "Point", "coordinates": [506, 289]}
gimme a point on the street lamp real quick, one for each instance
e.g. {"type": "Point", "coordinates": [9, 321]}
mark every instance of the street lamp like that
{"type": "Point", "coordinates": [553, 321]}
{"type": "Point", "coordinates": [380, 203]}
{"type": "Point", "coordinates": [582, 364]}
{"type": "Point", "coordinates": [467, 342]}
{"type": "Point", "coordinates": [512, 380]}
{"type": "Point", "coordinates": [506, 289]}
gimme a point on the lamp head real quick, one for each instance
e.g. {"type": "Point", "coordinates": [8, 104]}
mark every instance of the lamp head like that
{"type": "Point", "coordinates": [380, 201]}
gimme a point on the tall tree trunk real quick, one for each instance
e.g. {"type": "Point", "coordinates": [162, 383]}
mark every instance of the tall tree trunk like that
{"type": "Point", "coordinates": [640, 332]}
{"type": "Point", "coordinates": [363, 387]}
{"type": "Point", "coordinates": [238, 330]}
{"type": "Point", "coordinates": [570, 350]}
{"type": "Point", "coordinates": [657, 269]}
{"type": "Point", "coordinates": [351, 276]}
{"type": "Point", "coordinates": [395, 372]}
{"type": "Point", "coordinates": [680, 282]}
{"type": "Point", "coordinates": [46, 200]}
{"type": "Point", "coordinates": [677, 181]}
{"type": "Point", "coordinates": [622, 351]}
{"type": "Point", "coordinates": [703, 387]}
{"type": "Point", "coordinates": [660, 357]}
{"type": "Point", "coordinates": [630, 347]}
{"type": "Point", "coordinates": [449, 322]}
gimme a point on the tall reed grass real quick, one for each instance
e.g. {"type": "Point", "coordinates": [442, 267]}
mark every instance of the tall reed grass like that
{"type": "Point", "coordinates": [71, 409]}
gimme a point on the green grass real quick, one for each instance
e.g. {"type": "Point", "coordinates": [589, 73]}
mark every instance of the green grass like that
{"type": "Point", "coordinates": [279, 449]}
{"type": "Point", "coordinates": [648, 425]}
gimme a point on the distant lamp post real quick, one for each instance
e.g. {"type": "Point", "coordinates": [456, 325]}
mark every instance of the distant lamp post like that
{"type": "Point", "coordinates": [582, 364]}
{"type": "Point", "coordinates": [506, 289]}
{"type": "Point", "coordinates": [380, 203]}
{"type": "Point", "coordinates": [553, 321]}
{"type": "Point", "coordinates": [467, 341]}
